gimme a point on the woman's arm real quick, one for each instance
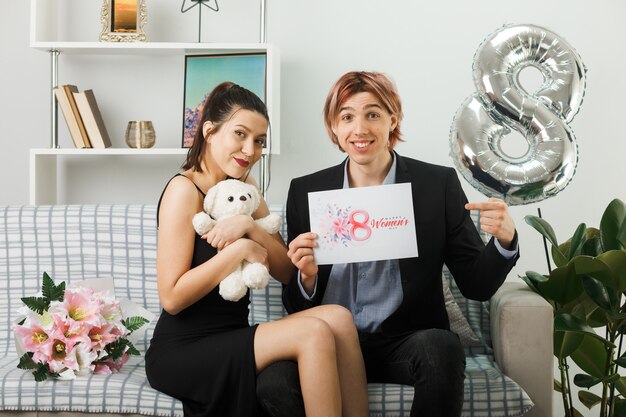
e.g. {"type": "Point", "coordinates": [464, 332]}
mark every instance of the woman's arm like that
{"type": "Point", "coordinates": [180, 286]}
{"type": "Point", "coordinates": [228, 230]}
{"type": "Point", "coordinates": [281, 267]}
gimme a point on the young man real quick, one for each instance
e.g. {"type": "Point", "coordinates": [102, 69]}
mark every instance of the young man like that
{"type": "Point", "coordinates": [397, 304]}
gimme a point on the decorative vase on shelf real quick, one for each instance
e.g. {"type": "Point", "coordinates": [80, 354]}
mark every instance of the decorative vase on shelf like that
{"type": "Point", "coordinates": [140, 134]}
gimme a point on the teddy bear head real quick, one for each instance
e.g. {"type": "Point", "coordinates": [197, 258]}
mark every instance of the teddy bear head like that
{"type": "Point", "coordinates": [231, 197]}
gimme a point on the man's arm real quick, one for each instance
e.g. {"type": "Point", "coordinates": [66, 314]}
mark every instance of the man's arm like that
{"type": "Point", "coordinates": [478, 270]}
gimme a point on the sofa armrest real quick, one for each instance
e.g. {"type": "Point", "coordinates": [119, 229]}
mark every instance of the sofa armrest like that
{"type": "Point", "coordinates": [522, 334]}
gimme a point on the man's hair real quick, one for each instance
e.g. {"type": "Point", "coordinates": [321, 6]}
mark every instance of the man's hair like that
{"type": "Point", "coordinates": [354, 82]}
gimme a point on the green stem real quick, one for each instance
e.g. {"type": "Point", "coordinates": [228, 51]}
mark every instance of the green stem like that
{"type": "Point", "coordinates": [569, 409]}
{"type": "Point", "coordinates": [615, 370]}
{"type": "Point", "coordinates": [610, 335]}
{"type": "Point", "coordinates": [569, 391]}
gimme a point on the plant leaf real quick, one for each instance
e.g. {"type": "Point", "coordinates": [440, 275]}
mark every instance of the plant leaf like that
{"type": "Point", "coordinates": [562, 286]}
{"type": "Point", "coordinates": [566, 343]}
{"type": "Point", "coordinates": [134, 323]}
{"type": "Point", "coordinates": [597, 318]}
{"type": "Point", "coordinates": [621, 361]}
{"type": "Point", "coordinates": [544, 228]}
{"type": "Point", "coordinates": [50, 291]}
{"type": "Point", "coordinates": [132, 350]}
{"type": "Point", "coordinates": [576, 242]}
{"type": "Point", "coordinates": [41, 373]}
{"type": "Point", "coordinates": [620, 407]}
{"type": "Point", "coordinates": [116, 349]}
{"type": "Point", "coordinates": [611, 223]}
{"type": "Point", "coordinates": [557, 386]}
{"type": "Point", "coordinates": [598, 293]}
{"type": "Point", "coordinates": [586, 381]}
{"type": "Point", "coordinates": [621, 235]}
{"type": "Point", "coordinates": [588, 399]}
{"type": "Point", "coordinates": [611, 379]}
{"type": "Point", "coordinates": [615, 261]}
{"type": "Point", "coordinates": [592, 247]}
{"type": "Point", "coordinates": [533, 279]}
{"type": "Point", "coordinates": [621, 386]}
{"type": "Point", "coordinates": [564, 322]}
{"type": "Point", "coordinates": [595, 267]}
{"type": "Point", "coordinates": [27, 362]}
{"type": "Point", "coordinates": [37, 304]}
{"type": "Point", "coordinates": [591, 357]}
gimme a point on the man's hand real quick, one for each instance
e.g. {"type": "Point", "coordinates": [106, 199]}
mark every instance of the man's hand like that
{"type": "Point", "coordinates": [495, 220]}
{"type": "Point", "coordinates": [301, 254]}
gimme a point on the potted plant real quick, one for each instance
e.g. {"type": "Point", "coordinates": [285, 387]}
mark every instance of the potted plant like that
{"type": "Point", "coordinates": [586, 290]}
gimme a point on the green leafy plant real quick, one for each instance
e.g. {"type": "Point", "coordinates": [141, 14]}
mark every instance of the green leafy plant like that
{"type": "Point", "coordinates": [587, 292]}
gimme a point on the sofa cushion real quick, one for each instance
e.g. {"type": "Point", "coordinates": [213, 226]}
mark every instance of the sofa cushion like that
{"type": "Point", "coordinates": [458, 322]}
{"type": "Point", "coordinates": [487, 393]}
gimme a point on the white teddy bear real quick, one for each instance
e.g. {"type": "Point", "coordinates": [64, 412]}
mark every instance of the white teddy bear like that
{"type": "Point", "coordinates": [226, 199]}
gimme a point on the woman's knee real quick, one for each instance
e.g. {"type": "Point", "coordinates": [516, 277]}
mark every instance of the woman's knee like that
{"type": "Point", "coordinates": [314, 333]}
{"type": "Point", "coordinates": [340, 320]}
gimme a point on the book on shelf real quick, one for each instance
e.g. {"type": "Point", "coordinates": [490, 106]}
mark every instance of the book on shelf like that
{"type": "Point", "coordinates": [70, 118]}
{"type": "Point", "coordinates": [69, 92]}
{"type": "Point", "coordinates": [92, 119]}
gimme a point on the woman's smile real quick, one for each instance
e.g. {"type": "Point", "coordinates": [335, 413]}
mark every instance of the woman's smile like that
{"type": "Point", "coordinates": [242, 162]}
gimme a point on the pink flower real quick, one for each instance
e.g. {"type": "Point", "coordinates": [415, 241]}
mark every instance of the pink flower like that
{"type": "Point", "coordinates": [110, 367]}
{"type": "Point", "coordinates": [101, 336]}
{"type": "Point", "coordinates": [340, 226]}
{"type": "Point", "coordinates": [80, 309]}
{"type": "Point", "coordinates": [58, 354]}
{"type": "Point", "coordinates": [33, 338]}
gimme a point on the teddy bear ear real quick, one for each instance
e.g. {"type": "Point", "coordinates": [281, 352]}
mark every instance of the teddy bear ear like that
{"type": "Point", "coordinates": [256, 195]}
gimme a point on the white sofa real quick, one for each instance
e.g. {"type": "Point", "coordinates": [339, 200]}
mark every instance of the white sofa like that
{"type": "Point", "coordinates": [88, 241]}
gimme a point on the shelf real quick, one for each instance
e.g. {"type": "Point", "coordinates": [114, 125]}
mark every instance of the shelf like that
{"type": "Point", "coordinates": [110, 151]}
{"type": "Point", "coordinates": [43, 166]}
{"type": "Point", "coordinates": [49, 18]}
{"type": "Point", "coordinates": [149, 48]}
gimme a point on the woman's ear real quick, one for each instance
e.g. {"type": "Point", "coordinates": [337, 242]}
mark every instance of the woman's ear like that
{"type": "Point", "coordinates": [207, 127]}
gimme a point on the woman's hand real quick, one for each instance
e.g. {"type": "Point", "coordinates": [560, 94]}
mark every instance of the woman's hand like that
{"type": "Point", "coordinates": [249, 250]}
{"type": "Point", "coordinates": [301, 254]}
{"type": "Point", "coordinates": [228, 230]}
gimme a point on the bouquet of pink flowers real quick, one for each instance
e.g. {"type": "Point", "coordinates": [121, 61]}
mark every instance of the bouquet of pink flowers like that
{"type": "Point", "coordinates": [73, 331]}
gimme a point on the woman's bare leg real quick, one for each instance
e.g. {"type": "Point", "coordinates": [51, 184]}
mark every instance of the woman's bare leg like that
{"type": "Point", "coordinates": [350, 365]}
{"type": "Point", "coordinates": [310, 342]}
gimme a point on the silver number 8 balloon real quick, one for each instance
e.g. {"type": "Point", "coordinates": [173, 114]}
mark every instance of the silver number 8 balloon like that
{"type": "Point", "coordinates": [501, 104]}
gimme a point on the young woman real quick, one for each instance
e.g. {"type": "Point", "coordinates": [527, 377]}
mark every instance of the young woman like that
{"type": "Point", "coordinates": [203, 350]}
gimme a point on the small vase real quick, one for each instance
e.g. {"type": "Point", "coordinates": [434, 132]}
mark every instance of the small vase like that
{"type": "Point", "coordinates": [140, 134]}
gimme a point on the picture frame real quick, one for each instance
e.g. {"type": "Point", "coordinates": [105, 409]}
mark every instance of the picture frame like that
{"type": "Point", "coordinates": [205, 72]}
{"type": "Point", "coordinates": [123, 21]}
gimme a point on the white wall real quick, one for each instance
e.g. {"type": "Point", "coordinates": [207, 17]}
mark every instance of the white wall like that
{"type": "Point", "coordinates": [427, 47]}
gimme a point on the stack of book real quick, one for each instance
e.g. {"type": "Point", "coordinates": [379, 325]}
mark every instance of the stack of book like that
{"type": "Point", "coordinates": [83, 117]}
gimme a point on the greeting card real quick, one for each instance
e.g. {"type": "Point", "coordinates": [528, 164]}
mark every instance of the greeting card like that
{"type": "Point", "coordinates": [363, 224]}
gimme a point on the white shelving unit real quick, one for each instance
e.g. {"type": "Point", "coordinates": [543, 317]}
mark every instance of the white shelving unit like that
{"type": "Point", "coordinates": [44, 37]}
{"type": "Point", "coordinates": [43, 166]}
